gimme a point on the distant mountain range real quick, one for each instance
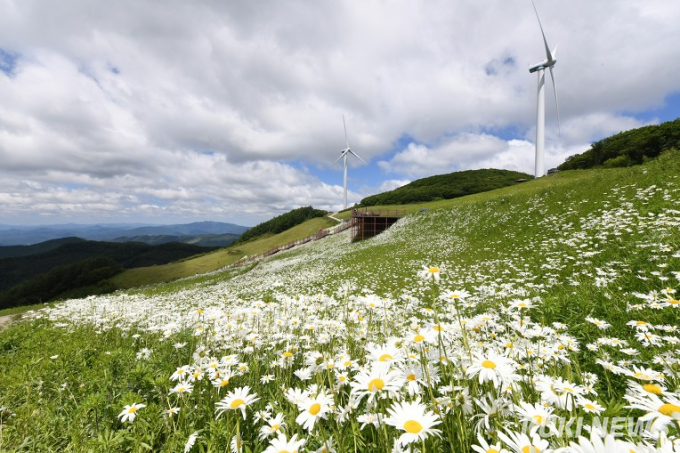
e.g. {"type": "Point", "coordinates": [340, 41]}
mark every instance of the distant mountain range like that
{"type": "Point", "coordinates": [211, 234]}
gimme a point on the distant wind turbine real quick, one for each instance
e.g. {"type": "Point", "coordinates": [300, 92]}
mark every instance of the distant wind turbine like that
{"type": "Point", "coordinates": [549, 62]}
{"type": "Point", "coordinates": [343, 155]}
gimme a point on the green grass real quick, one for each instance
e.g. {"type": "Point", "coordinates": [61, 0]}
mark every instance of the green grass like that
{"type": "Point", "coordinates": [572, 245]}
{"type": "Point", "coordinates": [574, 177]}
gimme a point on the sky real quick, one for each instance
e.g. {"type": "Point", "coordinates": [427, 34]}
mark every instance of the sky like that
{"type": "Point", "coordinates": [169, 111]}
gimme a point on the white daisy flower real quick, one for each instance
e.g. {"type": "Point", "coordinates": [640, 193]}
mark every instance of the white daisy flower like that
{"type": "Point", "coordinates": [414, 419]}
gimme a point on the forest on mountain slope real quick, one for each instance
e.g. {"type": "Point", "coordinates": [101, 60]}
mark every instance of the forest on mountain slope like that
{"type": "Point", "coordinates": [628, 148]}
{"type": "Point", "coordinates": [451, 185]}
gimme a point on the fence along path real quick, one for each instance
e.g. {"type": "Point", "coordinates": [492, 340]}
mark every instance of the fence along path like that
{"type": "Point", "coordinates": [346, 224]}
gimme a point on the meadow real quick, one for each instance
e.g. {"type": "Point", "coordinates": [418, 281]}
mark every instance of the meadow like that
{"type": "Point", "coordinates": [537, 318]}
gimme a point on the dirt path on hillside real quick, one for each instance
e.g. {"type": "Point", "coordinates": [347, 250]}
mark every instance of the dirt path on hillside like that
{"type": "Point", "coordinates": [5, 321]}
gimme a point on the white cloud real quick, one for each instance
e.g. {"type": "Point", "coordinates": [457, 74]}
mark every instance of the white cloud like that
{"type": "Point", "coordinates": [119, 102]}
{"type": "Point", "coordinates": [454, 154]}
{"type": "Point", "coordinates": [392, 184]}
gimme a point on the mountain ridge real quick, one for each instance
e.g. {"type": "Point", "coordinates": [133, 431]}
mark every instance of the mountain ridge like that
{"type": "Point", "coordinates": [11, 235]}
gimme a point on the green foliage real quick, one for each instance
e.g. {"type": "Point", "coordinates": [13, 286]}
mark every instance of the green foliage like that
{"type": "Point", "coordinates": [627, 148]}
{"type": "Point", "coordinates": [75, 280]}
{"type": "Point", "coordinates": [77, 268]}
{"type": "Point", "coordinates": [281, 223]}
{"type": "Point", "coordinates": [452, 185]}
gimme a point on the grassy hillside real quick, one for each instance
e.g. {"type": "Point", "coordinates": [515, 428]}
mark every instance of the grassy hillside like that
{"type": "Point", "coordinates": [209, 262]}
{"type": "Point", "coordinates": [452, 185]}
{"type": "Point", "coordinates": [281, 223]}
{"type": "Point", "coordinates": [628, 148]}
{"type": "Point", "coordinates": [201, 240]}
{"type": "Point", "coordinates": [487, 321]}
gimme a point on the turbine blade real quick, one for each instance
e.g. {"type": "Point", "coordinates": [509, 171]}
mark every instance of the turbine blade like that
{"type": "Point", "coordinates": [345, 126]}
{"type": "Point", "coordinates": [336, 160]}
{"type": "Point", "coordinates": [557, 105]}
{"type": "Point", "coordinates": [357, 156]}
{"type": "Point", "coordinates": [548, 55]}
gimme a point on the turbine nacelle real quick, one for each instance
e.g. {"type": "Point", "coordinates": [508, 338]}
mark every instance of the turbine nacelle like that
{"type": "Point", "coordinates": [542, 65]}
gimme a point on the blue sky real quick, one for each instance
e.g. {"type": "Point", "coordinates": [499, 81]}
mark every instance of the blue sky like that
{"type": "Point", "coordinates": [134, 111]}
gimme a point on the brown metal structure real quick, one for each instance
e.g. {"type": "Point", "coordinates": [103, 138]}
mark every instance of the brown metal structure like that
{"type": "Point", "coordinates": [367, 222]}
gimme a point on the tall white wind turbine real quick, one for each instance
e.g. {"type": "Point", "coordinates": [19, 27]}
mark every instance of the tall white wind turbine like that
{"type": "Point", "coordinates": [539, 68]}
{"type": "Point", "coordinates": [343, 155]}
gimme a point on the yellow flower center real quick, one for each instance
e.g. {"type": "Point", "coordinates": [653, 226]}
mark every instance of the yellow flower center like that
{"type": "Point", "coordinates": [508, 345]}
{"type": "Point", "coordinates": [275, 427]}
{"type": "Point", "coordinates": [538, 419]}
{"type": "Point", "coordinates": [530, 449]}
{"type": "Point", "coordinates": [641, 323]}
{"type": "Point", "coordinates": [488, 364]}
{"type": "Point", "coordinates": [418, 338]}
{"type": "Point", "coordinates": [236, 403]}
{"type": "Point", "coordinates": [413, 427]}
{"type": "Point", "coordinates": [652, 388]}
{"type": "Point", "coordinates": [347, 363]}
{"type": "Point", "coordinates": [411, 377]}
{"type": "Point", "coordinates": [438, 328]}
{"type": "Point", "coordinates": [385, 357]}
{"type": "Point", "coordinates": [589, 406]}
{"type": "Point", "coordinates": [433, 270]}
{"type": "Point", "coordinates": [288, 354]}
{"type": "Point", "coordinates": [132, 410]}
{"type": "Point", "coordinates": [316, 407]}
{"type": "Point", "coordinates": [670, 409]}
{"type": "Point", "coordinates": [224, 383]}
{"type": "Point", "coordinates": [492, 450]}
{"type": "Point", "coordinates": [674, 301]}
{"type": "Point", "coordinates": [376, 384]}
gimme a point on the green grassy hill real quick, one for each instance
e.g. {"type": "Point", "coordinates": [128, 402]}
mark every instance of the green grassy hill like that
{"type": "Point", "coordinates": [556, 298]}
{"type": "Point", "coordinates": [452, 185]}
{"type": "Point", "coordinates": [281, 223]}
{"type": "Point", "coordinates": [628, 148]}
{"type": "Point", "coordinates": [201, 240]}
{"type": "Point", "coordinates": [209, 262]}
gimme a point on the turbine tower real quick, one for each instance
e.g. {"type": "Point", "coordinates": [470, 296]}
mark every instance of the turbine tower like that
{"type": "Point", "coordinates": [343, 155]}
{"type": "Point", "coordinates": [539, 68]}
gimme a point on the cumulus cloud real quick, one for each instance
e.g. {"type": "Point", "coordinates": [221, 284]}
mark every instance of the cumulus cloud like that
{"type": "Point", "coordinates": [453, 154]}
{"type": "Point", "coordinates": [209, 108]}
{"type": "Point", "coordinates": [391, 184]}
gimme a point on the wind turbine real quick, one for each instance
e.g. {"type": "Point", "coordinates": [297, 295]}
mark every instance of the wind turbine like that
{"type": "Point", "coordinates": [343, 155]}
{"type": "Point", "coordinates": [549, 62]}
